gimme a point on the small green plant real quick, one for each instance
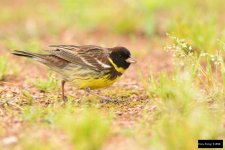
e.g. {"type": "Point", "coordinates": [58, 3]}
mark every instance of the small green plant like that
{"type": "Point", "coordinates": [187, 103]}
{"type": "Point", "coordinates": [3, 67]}
{"type": "Point", "coordinates": [49, 84]}
{"type": "Point", "coordinates": [33, 114]}
{"type": "Point", "coordinates": [28, 96]}
{"type": "Point", "coordinates": [86, 128]}
{"type": "Point", "coordinates": [36, 143]}
{"type": "Point", "coordinates": [7, 68]}
{"type": "Point", "coordinates": [182, 113]}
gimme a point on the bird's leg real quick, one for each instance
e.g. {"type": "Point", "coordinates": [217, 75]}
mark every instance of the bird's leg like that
{"type": "Point", "coordinates": [64, 98]}
{"type": "Point", "coordinates": [103, 98]}
{"type": "Point", "coordinates": [88, 90]}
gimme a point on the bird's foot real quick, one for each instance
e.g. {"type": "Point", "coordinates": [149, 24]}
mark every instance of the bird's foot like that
{"type": "Point", "coordinates": [88, 90]}
{"type": "Point", "coordinates": [64, 99]}
{"type": "Point", "coordinates": [106, 100]}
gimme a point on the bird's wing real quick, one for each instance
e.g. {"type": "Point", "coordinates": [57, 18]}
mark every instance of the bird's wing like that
{"type": "Point", "coordinates": [92, 57]}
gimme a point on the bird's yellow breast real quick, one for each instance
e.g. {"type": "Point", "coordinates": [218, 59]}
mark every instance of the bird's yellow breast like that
{"type": "Point", "coordinates": [87, 78]}
{"type": "Point", "coordinates": [94, 83]}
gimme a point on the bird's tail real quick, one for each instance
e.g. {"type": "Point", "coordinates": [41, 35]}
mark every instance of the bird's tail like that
{"type": "Point", "coordinates": [26, 54]}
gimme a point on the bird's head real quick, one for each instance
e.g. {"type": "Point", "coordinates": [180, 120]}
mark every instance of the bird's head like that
{"type": "Point", "coordinates": [121, 57]}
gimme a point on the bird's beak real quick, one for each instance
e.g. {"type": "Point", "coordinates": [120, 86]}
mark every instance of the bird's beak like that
{"type": "Point", "coordinates": [131, 60]}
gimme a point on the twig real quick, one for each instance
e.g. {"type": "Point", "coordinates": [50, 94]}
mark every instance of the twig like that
{"type": "Point", "coordinates": [3, 90]}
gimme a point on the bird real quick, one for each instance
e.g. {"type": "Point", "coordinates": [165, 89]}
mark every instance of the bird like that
{"type": "Point", "coordinates": [87, 67]}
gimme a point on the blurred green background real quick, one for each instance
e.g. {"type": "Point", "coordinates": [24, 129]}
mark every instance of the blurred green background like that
{"type": "Point", "coordinates": [39, 22]}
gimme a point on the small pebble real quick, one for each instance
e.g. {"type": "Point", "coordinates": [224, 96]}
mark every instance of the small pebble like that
{"type": "Point", "coordinates": [9, 140]}
{"type": "Point", "coordinates": [119, 113]}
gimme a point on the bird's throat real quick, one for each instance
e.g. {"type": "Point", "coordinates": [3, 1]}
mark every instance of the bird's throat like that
{"type": "Point", "coordinates": [119, 69]}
